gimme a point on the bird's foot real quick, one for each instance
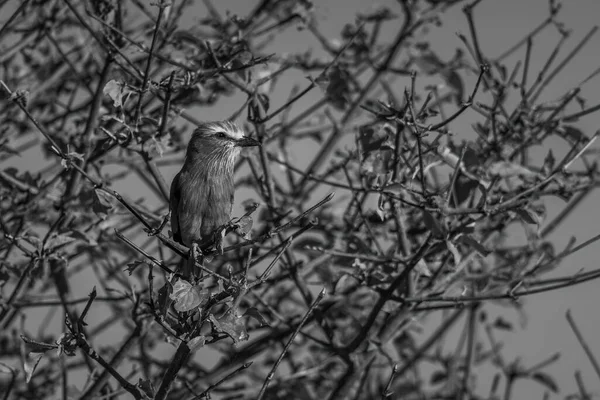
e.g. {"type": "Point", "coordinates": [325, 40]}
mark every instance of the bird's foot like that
{"type": "Point", "coordinates": [219, 239]}
{"type": "Point", "coordinates": [196, 253]}
{"type": "Point", "coordinates": [157, 230]}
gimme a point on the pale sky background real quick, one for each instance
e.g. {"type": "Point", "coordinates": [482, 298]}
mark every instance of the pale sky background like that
{"type": "Point", "coordinates": [500, 24]}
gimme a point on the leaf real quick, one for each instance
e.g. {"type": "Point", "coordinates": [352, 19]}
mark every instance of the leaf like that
{"type": "Point", "coordinates": [379, 14]}
{"type": "Point", "coordinates": [572, 134]}
{"type": "Point", "coordinates": [502, 324]}
{"type": "Point", "coordinates": [67, 344]}
{"type": "Point", "coordinates": [30, 364]}
{"type": "Point", "coordinates": [375, 136]}
{"type": "Point", "coordinates": [197, 342]}
{"type": "Point", "coordinates": [58, 241]}
{"type": "Point", "coordinates": [427, 61]}
{"type": "Point", "coordinates": [346, 284]}
{"type": "Point", "coordinates": [101, 203]}
{"type": "Point", "coordinates": [231, 325]}
{"type": "Point", "coordinates": [5, 369]}
{"type": "Point", "coordinates": [20, 96]}
{"type": "Point", "coordinates": [244, 226]}
{"type": "Point", "coordinates": [463, 189]}
{"type": "Point", "coordinates": [545, 380]}
{"type": "Point", "coordinates": [336, 86]}
{"type": "Point", "coordinates": [304, 11]}
{"type": "Point", "coordinates": [164, 298]}
{"type": "Point", "coordinates": [56, 189]}
{"type": "Point", "coordinates": [71, 157]}
{"type": "Point", "coordinates": [474, 244]}
{"type": "Point", "coordinates": [423, 269]}
{"type": "Point", "coordinates": [116, 91]}
{"type": "Point", "coordinates": [455, 83]}
{"type": "Point", "coordinates": [188, 296]}
{"type": "Point", "coordinates": [37, 347]}
{"type": "Point", "coordinates": [88, 239]}
{"type": "Point", "coordinates": [433, 224]}
{"type": "Point", "coordinates": [133, 265]}
{"type": "Point", "coordinates": [157, 147]}
{"type": "Point", "coordinates": [4, 275]}
{"type": "Point", "coordinates": [377, 163]}
{"type": "Point", "coordinates": [505, 169]}
{"type": "Point", "coordinates": [254, 313]}
{"type": "Point", "coordinates": [264, 101]}
{"type": "Point", "coordinates": [438, 377]}
{"type": "Point", "coordinates": [454, 251]}
{"type": "Point", "coordinates": [549, 163]}
{"type": "Point", "coordinates": [529, 216]}
{"type": "Point", "coordinates": [146, 387]}
{"type": "Point", "coordinates": [267, 86]}
{"type": "Point", "coordinates": [34, 351]}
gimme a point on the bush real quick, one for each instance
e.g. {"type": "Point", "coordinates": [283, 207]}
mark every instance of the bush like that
{"type": "Point", "coordinates": [367, 233]}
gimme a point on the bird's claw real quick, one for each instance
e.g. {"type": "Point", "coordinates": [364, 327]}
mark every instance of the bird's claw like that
{"type": "Point", "coordinates": [196, 253]}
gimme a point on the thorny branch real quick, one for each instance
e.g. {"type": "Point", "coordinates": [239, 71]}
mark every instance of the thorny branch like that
{"type": "Point", "coordinates": [104, 94]}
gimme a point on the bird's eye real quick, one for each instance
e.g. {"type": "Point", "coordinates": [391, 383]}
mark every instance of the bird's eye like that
{"type": "Point", "coordinates": [221, 135]}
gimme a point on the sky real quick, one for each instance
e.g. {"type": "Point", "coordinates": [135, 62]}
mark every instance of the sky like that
{"type": "Point", "coordinates": [500, 24]}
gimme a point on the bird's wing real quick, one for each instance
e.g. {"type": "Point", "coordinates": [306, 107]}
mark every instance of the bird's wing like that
{"type": "Point", "coordinates": [174, 201]}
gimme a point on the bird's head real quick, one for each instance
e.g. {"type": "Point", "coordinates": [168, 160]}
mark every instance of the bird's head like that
{"type": "Point", "coordinates": [218, 142]}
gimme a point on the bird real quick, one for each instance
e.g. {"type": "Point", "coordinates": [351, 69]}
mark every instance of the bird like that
{"type": "Point", "coordinates": [202, 192]}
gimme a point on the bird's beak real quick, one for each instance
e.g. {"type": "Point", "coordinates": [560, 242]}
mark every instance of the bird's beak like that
{"type": "Point", "coordinates": [247, 142]}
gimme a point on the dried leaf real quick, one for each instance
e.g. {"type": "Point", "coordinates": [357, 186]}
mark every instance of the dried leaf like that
{"type": "Point", "coordinates": [231, 325]}
{"type": "Point", "coordinates": [188, 296]}
{"type": "Point", "coordinates": [133, 265]}
{"type": "Point", "coordinates": [197, 342]}
{"type": "Point", "coordinates": [157, 147]}
{"type": "Point", "coordinates": [244, 226]}
{"type": "Point", "coordinates": [116, 91]}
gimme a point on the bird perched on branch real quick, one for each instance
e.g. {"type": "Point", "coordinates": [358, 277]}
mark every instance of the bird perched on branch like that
{"type": "Point", "coordinates": [202, 192]}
